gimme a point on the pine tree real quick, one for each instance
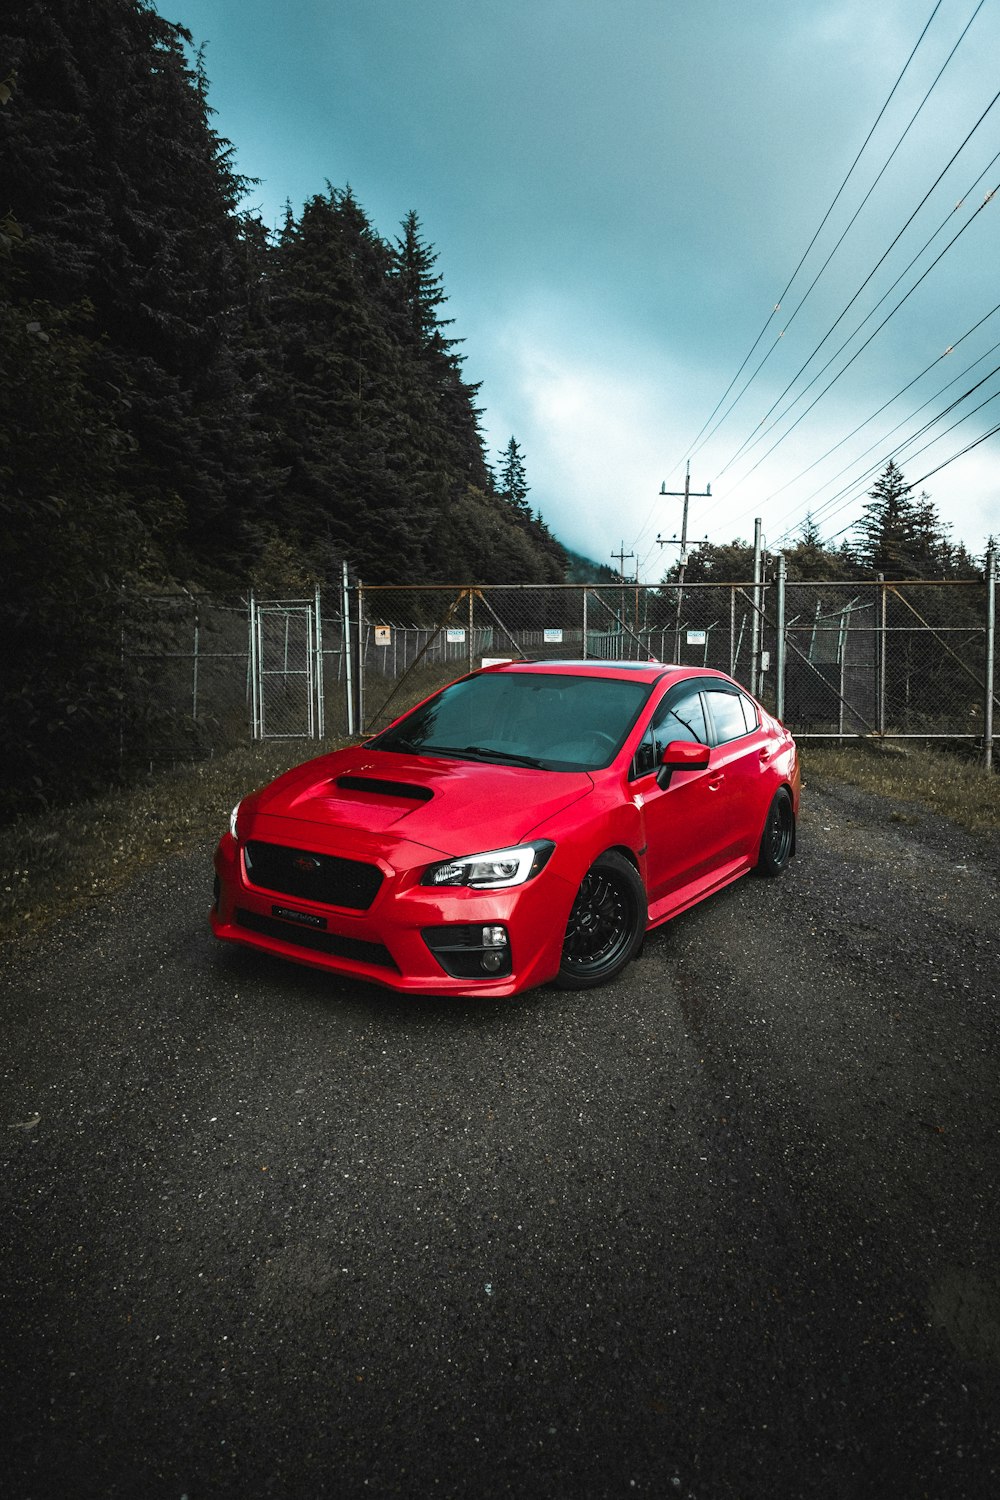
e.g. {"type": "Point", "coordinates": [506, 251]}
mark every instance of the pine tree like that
{"type": "Point", "coordinates": [888, 530]}
{"type": "Point", "coordinates": [512, 483]}
{"type": "Point", "coordinates": [421, 286]}
{"type": "Point", "coordinates": [338, 389]}
{"type": "Point", "coordinates": [809, 559]}
{"type": "Point", "coordinates": [127, 201]}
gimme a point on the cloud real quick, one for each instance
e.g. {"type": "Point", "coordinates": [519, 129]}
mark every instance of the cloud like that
{"type": "Point", "coordinates": [591, 413]}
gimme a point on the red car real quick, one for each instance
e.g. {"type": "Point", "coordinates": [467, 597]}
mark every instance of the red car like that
{"type": "Point", "coordinates": [530, 822]}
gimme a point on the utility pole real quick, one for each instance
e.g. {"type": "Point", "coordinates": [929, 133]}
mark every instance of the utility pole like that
{"type": "Point", "coordinates": [621, 556]}
{"type": "Point", "coordinates": [682, 542]}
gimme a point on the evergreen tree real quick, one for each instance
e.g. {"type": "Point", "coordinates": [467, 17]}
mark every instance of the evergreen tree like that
{"type": "Point", "coordinates": [127, 203]}
{"type": "Point", "coordinates": [339, 394]}
{"type": "Point", "coordinates": [68, 546]}
{"type": "Point", "coordinates": [899, 536]}
{"type": "Point", "coordinates": [421, 286]}
{"type": "Point", "coordinates": [512, 482]}
{"type": "Point", "coordinates": [809, 559]}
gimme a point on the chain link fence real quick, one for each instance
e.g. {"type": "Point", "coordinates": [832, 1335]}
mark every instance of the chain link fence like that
{"type": "Point", "coordinates": [833, 659]}
{"type": "Point", "coordinates": [201, 676]}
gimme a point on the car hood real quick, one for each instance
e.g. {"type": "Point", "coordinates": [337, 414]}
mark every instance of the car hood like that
{"type": "Point", "coordinates": [450, 806]}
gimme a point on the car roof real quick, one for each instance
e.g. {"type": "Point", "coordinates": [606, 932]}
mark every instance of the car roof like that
{"type": "Point", "coordinates": [644, 671]}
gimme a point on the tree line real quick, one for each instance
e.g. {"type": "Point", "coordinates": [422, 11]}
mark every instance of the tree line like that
{"type": "Point", "coordinates": [900, 536]}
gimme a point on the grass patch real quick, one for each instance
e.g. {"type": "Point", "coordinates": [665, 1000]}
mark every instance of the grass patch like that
{"type": "Point", "coordinates": [952, 785]}
{"type": "Point", "coordinates": [53, 863]}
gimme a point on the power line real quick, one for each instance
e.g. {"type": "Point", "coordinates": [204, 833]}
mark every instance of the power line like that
{"type": "Point", "coordinates": [872, 336]}
{"type": "Point", "coordinates": [850, 225]}
{"type": "Point", "coordinates": [880, 442]}
{"type": "Point", "coordinates": [752, 440]}
{"type": "Point", "coordinates": [822, 224]}
{"type": "Point", "coordinates": [886, 404]}
{"type": "Point", "coordinates": [992, 432]}
{"type": "Point", "coordinates": [856, 487]}
{"type": "Point", "coordinates": [987, 199]}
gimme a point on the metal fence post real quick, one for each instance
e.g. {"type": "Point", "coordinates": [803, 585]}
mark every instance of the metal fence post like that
{"type": "Point", "coordinates": [194, 669]}
{"type": "Point", "coordinates": [320, 686]}
{"type": "Point", "coordinates": [362, 652]}
{"type": "Point", "coordinates": [883, 641]}
{"type": "Point", "coordinates": [991, 630]}
{"type": "Point", "coordinates": [732, 630]}
{"type": "Point", "coordinates": [780, 644]}
{"type": "Point", "coordinates": [345, 611]}
{"type": "Point", "coordinates": [471, 627]}
{"type": "Point", "coordinates": [253, 667]}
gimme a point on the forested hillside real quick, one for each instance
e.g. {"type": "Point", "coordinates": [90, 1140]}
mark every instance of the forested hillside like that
{"type": "Point", "coordinates": [260, 403]}
{"type": "Point", "coordinates": [190, 401]}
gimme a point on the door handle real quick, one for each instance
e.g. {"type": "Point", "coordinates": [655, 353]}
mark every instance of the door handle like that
{"type": "Point", "coordinates": [716, 782]}
{"type": "Point", "coordinates": [765, 755]}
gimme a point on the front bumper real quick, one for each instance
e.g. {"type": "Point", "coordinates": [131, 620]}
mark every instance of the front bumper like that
{"type": "Point", "coordinates": [393, 942]}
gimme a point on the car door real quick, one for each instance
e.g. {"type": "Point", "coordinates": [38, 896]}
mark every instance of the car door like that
{"type": "Point", "coordinates": [740, 755]}
{"type": "Point", "coordinates": [684, 822]}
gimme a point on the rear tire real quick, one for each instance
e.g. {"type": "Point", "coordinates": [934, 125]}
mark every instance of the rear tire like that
{"type": "Point", "coordinates": [606, 925]}
{"type": "Point", "coordinates": [778, 839]}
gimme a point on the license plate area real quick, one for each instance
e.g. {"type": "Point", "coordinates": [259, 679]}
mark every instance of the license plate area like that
{"type": "Point", "coordinates": [299, 918]}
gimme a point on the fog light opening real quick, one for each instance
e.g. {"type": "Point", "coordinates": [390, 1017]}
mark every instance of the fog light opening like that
{"type": "Point", "coordinates": [496, 955]}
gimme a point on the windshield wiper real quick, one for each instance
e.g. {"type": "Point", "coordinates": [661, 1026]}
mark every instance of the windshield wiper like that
{"type": "Point", "coordinates": [487, 753]}
{"type": "Point", "coordinates": [398, 743]}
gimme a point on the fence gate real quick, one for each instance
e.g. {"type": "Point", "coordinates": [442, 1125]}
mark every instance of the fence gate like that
{"type": "Point", "coordinates": [286, 669]}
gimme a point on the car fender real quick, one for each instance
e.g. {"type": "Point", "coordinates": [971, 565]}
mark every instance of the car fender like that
{"type": "Point", "coordinates": [611, 822]}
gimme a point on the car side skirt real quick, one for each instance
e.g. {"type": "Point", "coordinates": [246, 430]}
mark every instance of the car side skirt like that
{"type": "Point", "coordinates": [689, 895]}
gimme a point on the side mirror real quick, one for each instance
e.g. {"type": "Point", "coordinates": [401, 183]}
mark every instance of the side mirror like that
{"type": "Point", "coordinates": [681, 755]}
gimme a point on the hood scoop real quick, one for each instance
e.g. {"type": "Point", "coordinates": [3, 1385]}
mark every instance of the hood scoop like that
{"type": "Point", "coordinates": [377, 786]}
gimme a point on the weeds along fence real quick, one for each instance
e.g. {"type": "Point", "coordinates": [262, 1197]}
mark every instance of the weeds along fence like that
{"type": "Point", "coordinates": [835, 660]}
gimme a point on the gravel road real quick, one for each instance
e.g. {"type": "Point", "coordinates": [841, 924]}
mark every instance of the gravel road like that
{"type": "Point", "coordinates": [727, 1228]}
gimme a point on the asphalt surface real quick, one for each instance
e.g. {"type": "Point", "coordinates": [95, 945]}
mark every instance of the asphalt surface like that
{"type": "Point", "coordinates": [728, 1228]}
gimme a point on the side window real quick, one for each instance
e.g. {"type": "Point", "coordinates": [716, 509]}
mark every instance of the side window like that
{"type": "Point", "coordinates": [728, 720]}
{"type": "Point", "coordinates": [681, 718]}
{"type": "Point", "coordinates": [684, 719]}
{"type": "Point", "coordinates": [750, 713]}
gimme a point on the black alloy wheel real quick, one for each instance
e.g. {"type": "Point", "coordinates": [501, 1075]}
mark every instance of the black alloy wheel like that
{"type": "Point", "coordinates": [606, 924]}
{"type": "Point", "coordinates": [778, 840]}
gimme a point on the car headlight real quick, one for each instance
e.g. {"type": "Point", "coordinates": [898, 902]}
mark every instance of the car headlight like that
{"type": "Point", "coordinates": [233, 817]}
{"type": "Point", "coordinates": [494, 871]}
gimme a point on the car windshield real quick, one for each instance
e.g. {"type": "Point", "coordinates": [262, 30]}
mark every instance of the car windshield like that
{"type": "Point", "coordinates": [558, 722]}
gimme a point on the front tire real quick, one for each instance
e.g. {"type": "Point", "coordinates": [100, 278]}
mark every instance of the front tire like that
{"type": "Point", "coordinates": [778, 839]}
{"type": "Point", "coordinates": [606, 924]}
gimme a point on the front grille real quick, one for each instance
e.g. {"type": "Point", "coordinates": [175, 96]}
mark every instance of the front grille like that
{"type": "Point", "coordinates": [324, 878]}
{"type": "Point", "coordinates": [317, 942]}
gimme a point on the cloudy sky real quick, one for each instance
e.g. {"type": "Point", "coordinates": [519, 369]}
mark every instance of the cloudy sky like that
{"type": "Point", "coordinates": [621, 191]}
